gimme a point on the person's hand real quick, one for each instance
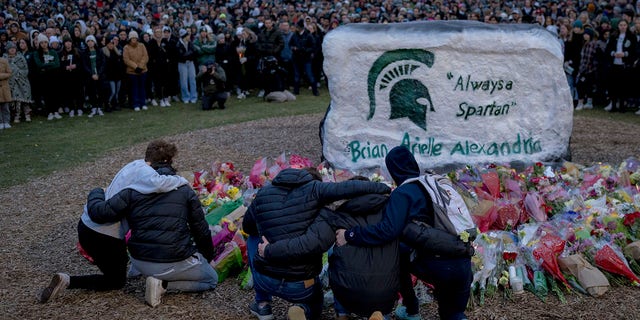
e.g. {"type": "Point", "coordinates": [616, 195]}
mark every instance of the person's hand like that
{"type": "Point", "coordinates": [262, 246]}
{"type": "Point", "coordinates": [243, 60]}
{"type": "Point", "coordinates": [94, 77]}
{"type": "Point", "coordinates": [340, 239]}
{"type": "Point", "coordinates": [619, 55]}
{"type": "Point", "coordinates": [203, 69]}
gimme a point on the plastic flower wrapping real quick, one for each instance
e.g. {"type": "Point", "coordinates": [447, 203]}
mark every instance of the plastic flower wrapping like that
{"type": "Point", "coordinates": [537, 220]}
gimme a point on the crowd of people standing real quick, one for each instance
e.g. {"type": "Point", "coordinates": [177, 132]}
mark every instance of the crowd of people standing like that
{"type": "Point", "coordinates": [108, 54]}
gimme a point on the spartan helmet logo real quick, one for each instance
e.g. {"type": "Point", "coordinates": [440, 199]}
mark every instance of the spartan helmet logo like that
{"type": "Point", "coordinates": [408, 96]}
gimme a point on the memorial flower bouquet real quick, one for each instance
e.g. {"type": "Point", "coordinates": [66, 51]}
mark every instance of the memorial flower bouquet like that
{"type": "Point", "coordinates": [609, 258]}
{"type": "Point", "coordinates": [484, 266]}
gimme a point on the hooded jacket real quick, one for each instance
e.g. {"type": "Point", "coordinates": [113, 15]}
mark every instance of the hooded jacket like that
{"type": "Point", "coordinates": [162, 224]}
{"type": "Point", "coordinates": [139, 176]}
{"type": "Point", "coordinates": [408, 203]}
{"type": "Point", "coordinates": [287, 209]}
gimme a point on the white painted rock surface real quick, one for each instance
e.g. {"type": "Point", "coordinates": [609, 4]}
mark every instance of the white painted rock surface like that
{"type": "Point", "coordinates": [455, 92]}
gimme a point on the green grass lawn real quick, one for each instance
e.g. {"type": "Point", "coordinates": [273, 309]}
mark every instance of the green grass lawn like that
{"type": "Point", "coordinates": [35, 149]}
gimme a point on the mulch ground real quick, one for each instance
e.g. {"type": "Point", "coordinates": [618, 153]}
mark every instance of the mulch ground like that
{"type": "Point", "coordinates": [39, 220]}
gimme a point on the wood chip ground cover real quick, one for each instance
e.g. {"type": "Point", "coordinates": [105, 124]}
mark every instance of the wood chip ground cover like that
{"type": "Point", "coordinates": [39, 220]}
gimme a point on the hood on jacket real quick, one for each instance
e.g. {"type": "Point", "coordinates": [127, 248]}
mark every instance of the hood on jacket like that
{"type": "Point", "coordinates": [60, 16]}
{"type": "Point", "coordinates": [292, 178]}
{"type": "Point", "coordinates": [401, 164]}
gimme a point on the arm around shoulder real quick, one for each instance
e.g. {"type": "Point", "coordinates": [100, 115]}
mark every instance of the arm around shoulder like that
{"type": "Point", "coordinates": [318, 238]}
{"type": "Point", "coordinates": [101, 211]}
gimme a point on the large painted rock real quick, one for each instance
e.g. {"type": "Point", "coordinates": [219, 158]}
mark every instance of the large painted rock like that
{"type": "Point", "coordinates": [454, 92]}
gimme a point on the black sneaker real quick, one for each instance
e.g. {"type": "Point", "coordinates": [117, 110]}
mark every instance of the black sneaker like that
{"type": "Point", "coordinates": [58, 283]}
{"type": "Point", "coordinates": [262, 312]}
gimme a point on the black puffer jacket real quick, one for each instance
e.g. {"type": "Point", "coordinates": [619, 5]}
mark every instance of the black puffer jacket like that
{"type": "Point", "coordinates": [162, 224]}
{"type": "Point", "coordinates": [286, 208]}
{"type": "Point", "coordinates": [364, 279]}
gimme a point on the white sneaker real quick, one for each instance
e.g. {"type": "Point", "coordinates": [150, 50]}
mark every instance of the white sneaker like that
{"type": "Point", "coordinates": [154, 102]}
{"type": "Point", "coordinates": [296, 313]}
{"type": "Point", "coordinates": [7, 126]}
{"type": "Point", "coordinates": [72, 114]}
{"type": "Point", "coordinates": [261, 94]}
{"type": "Point", "coordinates": [153, 291]}
{"type": "Point", "coordinates": [79, 112]}
{"type": "Point", "coordinates": [59, 282]}
{"type": "Point", "coordinates": [66, 110]}
{"type": "Point", "coordinates": [57, 115]}
{"type": "Point", "coordinates": [100, 113]}
{"type": "Point", "coordinates": [589, 104]}
{"type": "Point", "coordinates": [136, 109]}
{"type": "Point", "coordinates": [167, 102]}
{"type": "Point", "coordinates": [609, 107]}
{"type": "Point", "coordinates": [162, 103]}
{"type": "Point", "coordinates": [93, 112]}
{"type": "Point", "coordinates": [145, 108]}
{"type": "Point", "coordinates": [580, 106]}
{"type": "Point", "coordinates": [50, 116]}
{"type": "Point", "coordinates": [17, 119]}
{"type": "Point", "coordinates": [60, 110]}
{"type": "Point", "coordinates": [27, 118]}
{"type": "Point", "coordinates": [638, 112]}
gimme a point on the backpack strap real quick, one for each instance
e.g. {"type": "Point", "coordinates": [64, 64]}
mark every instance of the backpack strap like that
{"type": "Point", "coordinates": [440, 201]}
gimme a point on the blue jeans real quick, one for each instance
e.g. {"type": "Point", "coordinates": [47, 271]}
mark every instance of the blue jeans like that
{"type": "Point", "coordinates": [298, 68]}
{"type": "Point", "coordinates": [138, 94]}
{"type": "Point", "coordinates": [571, 80]}
{"type": "Point", "coordinates": [188, 89]}
{"type": "Point", "coordinates": [114, 92]}
{"type": "Point", "coordinates": [306, 294]}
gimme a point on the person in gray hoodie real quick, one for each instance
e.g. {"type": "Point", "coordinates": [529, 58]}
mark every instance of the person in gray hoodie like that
{"type": "Point", "coordinates": [104, 243]}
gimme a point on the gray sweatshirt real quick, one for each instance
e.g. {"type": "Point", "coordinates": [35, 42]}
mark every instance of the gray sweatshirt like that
{"type": "Point", "coordinates": [141, 177]}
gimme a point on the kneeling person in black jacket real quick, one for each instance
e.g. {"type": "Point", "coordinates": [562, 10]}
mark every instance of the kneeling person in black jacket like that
{"type": "Point", "coordinates": [284, 210]}
{"type": "Point", "coordinates": [162, 227]}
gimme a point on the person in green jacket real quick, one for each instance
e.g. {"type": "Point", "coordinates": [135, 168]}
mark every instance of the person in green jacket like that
{"type": "Point", "coordinates": [205, 48]}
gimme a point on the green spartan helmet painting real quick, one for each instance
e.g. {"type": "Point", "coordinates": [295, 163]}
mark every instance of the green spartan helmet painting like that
{"type": "Point", "coordinates": [408, 96]}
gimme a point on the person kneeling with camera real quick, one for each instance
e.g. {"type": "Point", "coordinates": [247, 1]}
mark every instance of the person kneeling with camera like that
{"type": "Point", "coordinates": [214, 82]}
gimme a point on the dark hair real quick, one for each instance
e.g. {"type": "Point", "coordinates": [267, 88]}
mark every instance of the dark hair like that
{"type": "Point", "coordinates": [160, 152]}
{"type": "Point", "coordinates": [359, 178]}
{"type": "Point", "coordinates": [314, 173]}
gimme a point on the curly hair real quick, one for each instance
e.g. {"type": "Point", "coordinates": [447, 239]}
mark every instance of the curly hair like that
{"type": "Point", "coordinates": [160, 152]}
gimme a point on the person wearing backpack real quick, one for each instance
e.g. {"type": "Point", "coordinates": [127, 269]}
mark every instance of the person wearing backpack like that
{"type": "Point", "coordinates": [440, 257]}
